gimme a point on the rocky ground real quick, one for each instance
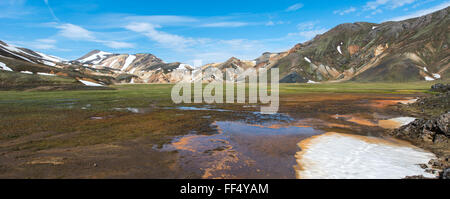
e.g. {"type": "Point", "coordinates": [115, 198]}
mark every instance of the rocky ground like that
{"type": "Point", "coordinates": [433, 131]}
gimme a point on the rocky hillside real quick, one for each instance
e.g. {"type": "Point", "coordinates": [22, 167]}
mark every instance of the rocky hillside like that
{"type": "Point", "coordinates": [138, 68]}
{"type": "Point", "coordinates": [28, 55]}
{"type": "Point", "coordinates": [22, 68]}
{"type": "Point", "coordinates": [410, 50]}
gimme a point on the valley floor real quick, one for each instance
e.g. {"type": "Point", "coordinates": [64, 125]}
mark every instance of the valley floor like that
{"type": "Point", "coordinates": [136, 131]}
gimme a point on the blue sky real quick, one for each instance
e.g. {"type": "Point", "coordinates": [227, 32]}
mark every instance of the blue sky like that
{"type": "Point", "coordinates": [185, 31]}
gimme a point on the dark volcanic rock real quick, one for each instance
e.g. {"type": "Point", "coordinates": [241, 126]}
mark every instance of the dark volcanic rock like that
{"type": "Point", "coordinates": [293, 77]}
{"type": "Point", "coordinates": [440, 88]}
{"type": "Point", "coordinates": [431, 131]}
{"type": "Point", "coordinates": [446, 174]}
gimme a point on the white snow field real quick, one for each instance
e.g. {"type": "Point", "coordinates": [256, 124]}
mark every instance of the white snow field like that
{"type": "Point", "coordinates": [340, 156]}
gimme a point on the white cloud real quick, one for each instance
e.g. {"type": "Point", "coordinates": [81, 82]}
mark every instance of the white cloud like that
{"type": "Point", "coordinates": [309, 34]}
{"type": "Point", "coordinates": [270, 23]}
{"type": "Point", "coordinates": [78, 33]}
{"type": "Point", "coordinates": [41, 44]}
{"type": "Point", "coordinates": [224, 25]}
{"type": "Point", "coordinates": [161, 19]}
{"type": "Point", "coordinates": [308, 30]}
{"type": "Point", "coordinates": [377, 11]}
{"type": "Point", "coordinates": [421, 12]}
{"type": "Point", "coordinates": [51, 10]}
{"type": "Point", "coordinates": [307, 25]}
{"type": "Point", "coordinates": [294, 7]}
{"type": "Point", "coordinates": [346, 11]}
{"type": "Point", "coordinates": [391, 4]}
{"type": "Point", "coordinates": [75, 32]}
{"type": "Point", "coordinates": [44, 44]}
{"type": "Point", "coordinates": [13, 9]}
{"type": "Point", "coordinates": [206, 49]}
{"type": "Point", "coordinates": [49, 41]}
{"type": "Point", "coordinates": [273, 23]}
{"type": "Point", "coordinates": [166, 39]}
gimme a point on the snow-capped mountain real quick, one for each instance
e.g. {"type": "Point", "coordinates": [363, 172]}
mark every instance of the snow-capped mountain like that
{"type": "Point", "coordinates": [22, 68]}
{"type": "Point", "coordinates": [411, 50]}
{"type": "Point", "coordinates": [416, 49]}
{"type": "Point", "coordinates": [28, 55]}
{"type": "Point", "coordinates": [94, 57]}
{"type": "Point", "coordinates": [137, 68]}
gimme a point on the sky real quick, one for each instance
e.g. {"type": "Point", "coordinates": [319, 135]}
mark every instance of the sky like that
{"type": "Point", "coordinates": [194, 31]}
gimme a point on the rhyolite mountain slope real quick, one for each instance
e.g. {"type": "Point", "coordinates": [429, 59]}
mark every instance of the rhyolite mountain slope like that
{"type": "Point", "coordinates": [7, 50]}
{"type": "Point", "coordinates": [411, 50]}
{"type": "Point", "coordinates": [22, 68]}
{"type": "Point", "coordinates": [138, 68]}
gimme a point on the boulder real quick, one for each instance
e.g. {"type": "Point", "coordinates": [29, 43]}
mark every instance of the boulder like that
{"type": "Point", "coordinates": [442, 88]}
{"type": "Point", "coordinates": [434, 131]}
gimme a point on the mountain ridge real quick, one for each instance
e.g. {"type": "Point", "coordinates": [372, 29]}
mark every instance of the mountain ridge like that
{"type": "Point", "coordinates": [411, 50]}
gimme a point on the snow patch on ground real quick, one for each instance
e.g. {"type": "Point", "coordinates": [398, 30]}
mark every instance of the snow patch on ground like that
{"type": "Point", "coordinates": [427, 78]}
{"type": "Point", "coordinates": [339, 156]}
{"type": "Point", "coordinates": [412, 101]}
{"type": "Point", "coordinates": [437, 76]}
{"type": "Point", "coordinates": [403, 120]}
{"type": "Point", "coordinates": [88, 83]}
{"type": "Point", "coordinates": [129, 60]}
{"type": "Point", "coordinates": [26, 72]}
{"type": "Point", "coordinates": [4, 67]}
{"type": "Point", "coordinates": [312, 82]}
{"type": "Point", "coordinates": [425, 69]}
{"type": "Point", "coordinates": [50, 58]}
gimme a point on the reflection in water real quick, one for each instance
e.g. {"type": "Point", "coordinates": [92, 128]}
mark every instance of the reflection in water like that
{"type": "Point", "coordinates": [385, 103]}
{"type": "Point", "coordinates": [241, 150]}
{"type": "Point", "coordinates": [266, 146]}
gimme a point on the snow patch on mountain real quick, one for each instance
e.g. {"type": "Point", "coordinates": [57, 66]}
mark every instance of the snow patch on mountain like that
{"type": "Point", "coordinates": [96, 58]}
{"type": "Point", "coordinates": [308, 60]}
{"type": "Point", "coordinates": [22, 57]}
{"type": "Point", "coordinates": [51, 58]}
{"type": "Point", "coordinates": [129, 60]}
{"type": "Point", "coordinates": [4, 67]}
{"type": "Point", "coordinates": [48, 63]}
{"type": "Point", "coordinates": [46, 74]}
{"type": "Point", "coordinates": [88, 83]}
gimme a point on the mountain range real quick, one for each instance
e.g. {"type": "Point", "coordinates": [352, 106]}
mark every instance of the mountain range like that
{"type": "Point", "coordinates": [410, 50]}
